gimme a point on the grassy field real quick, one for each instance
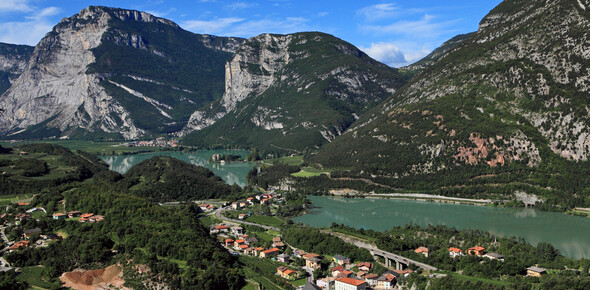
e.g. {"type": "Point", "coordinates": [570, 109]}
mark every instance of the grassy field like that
{"type": "Point", "coordinates": [260, 270]}
{"type": "Point", "coordinates": [266, 220]}
{"type": "Point", "coordinates": [250, 286]}
{"type": "Point", "coordinates": [475, 279]}
{"type": "Point", "coordinates": [209, 220]}
{"type": "Point", "coordinates": [299, 282]}
{"type": "Point", "coordinates": [310, 172]}
{"type": "Point", "coordinates": [34, 276]}
{"type": "Point", "coordinates": [295, 160]}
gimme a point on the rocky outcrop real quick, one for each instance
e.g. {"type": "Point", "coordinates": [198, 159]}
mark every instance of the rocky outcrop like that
{"type": "Point", "coordinates": [13, 61]}
{"type": "Point", "coordinates": [304, 86]}
{"type": "Point", "coordinates": [89, 75]}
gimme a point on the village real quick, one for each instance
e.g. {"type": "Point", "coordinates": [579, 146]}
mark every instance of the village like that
{"type": "Point", "coordinates": [296, 264]}
{"type": "Point", "coordinates": [19, 230]}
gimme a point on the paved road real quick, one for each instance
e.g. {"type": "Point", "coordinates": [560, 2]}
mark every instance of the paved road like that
{"type": "Point", "coordinates": [431, 196]}
{"type": "Point", "coordinates": [379, 252]}
{"type": "Point", "coordinates": [220, 216]}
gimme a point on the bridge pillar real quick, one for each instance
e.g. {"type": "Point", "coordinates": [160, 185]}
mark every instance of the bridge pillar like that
{"type": "Point", "coordinates": [398, 265]}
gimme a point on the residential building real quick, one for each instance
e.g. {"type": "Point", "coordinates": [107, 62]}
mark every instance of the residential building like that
{"type": "Point", "coordinates": [341, 260]}
{"type": "Point", "coordinates": [494, 256]}
{"type": "Point", "coordinates": [371, 279]}
{"type": "Point", "coordinates": [279, 245]}
{"type": "Point", "coordinates": [345, 274]}
{"type": "Point", "coordinates": [229, 242]}
{"type": "Point", "coordinates": [455, 252]}
{"type": "Point", "coordinates": [365, 266]}
{"type": "Point", "coordinates": [299, 253]}
{"type": "Point", "coordinates": [237, 231]}
{"type": "Point", "coordinates": [60, 216]}
{"type": "Point", "coordinates": [422, 250]}
{"type": "Point", "coordinates": [251, 240]}
{"type": "Point", "coordinates": [258, 250]}
{"type": "Point", "coordinates": [326, 283]}
{"type": "Point", "coordinates": [478, 251]}
{"type": "Point", "coordinates": [313, 263]}
{"type": "Point", "coordinates": [243, 247]}
{"type": "Point", "coordinates": [31, 232]}
{"type": "Point", "coordinates": [17, 245]}
{"type": "Point", "coordinates": [269, 253]}
{"type": "Point", "coordinates": [222, 229]}
{"type": "Point", "coordinates": [310, 256]}
{"type": "Point", "coordinates": [74, 214]}
{"type": "Point", "coordinates": [276, 239]}
{"type": "Point", "coordinates": [350, 284]}
{"type": "Point", "coordinates": [387, 281]}
{"type": "Point", "coordinates": [283, 258]}
{"type": "Point", "coordinates": [535, 271]}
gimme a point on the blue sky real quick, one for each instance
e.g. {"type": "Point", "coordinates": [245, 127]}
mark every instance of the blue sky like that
{"type": "Point", "coordinates": [394, 32]}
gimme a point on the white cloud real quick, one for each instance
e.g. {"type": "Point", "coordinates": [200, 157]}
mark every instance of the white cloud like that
{"type": "Point", "coordinates": [241, 27]}
{"type": "Point", "coordinates": [15, 6]}
{"type": "Point", "coordinates": [161, 13]}
{"type": "Point", "coordinates": [240, 5]}
{"type": "Point", "coordinates": [379, 11]}
{"type": "Point", "coordinates": [37, 24]}
{"type": "Point", "coordinates": [216, 26]}
{"type": "Point", "coordinates": [423, 28]}
{"type": "Point", "coordinates": [392, 55]}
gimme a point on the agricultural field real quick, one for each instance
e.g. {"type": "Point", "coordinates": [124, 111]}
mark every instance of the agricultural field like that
{"type": "Point", "coordinates": [310, 172]}
{"type": "Point", "coordinates": [266, 220]}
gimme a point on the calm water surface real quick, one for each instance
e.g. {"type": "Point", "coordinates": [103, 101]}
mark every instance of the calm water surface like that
{"type": "Point", "coordinates": [232, 173]}
{"type": "Point", "coordinates": [570, 234]}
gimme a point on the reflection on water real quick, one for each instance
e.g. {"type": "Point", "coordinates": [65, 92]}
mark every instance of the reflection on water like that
{"type": "Point", "coordinates": [569, 234]}
{"type": "Point", "coordinates": [231, 173]}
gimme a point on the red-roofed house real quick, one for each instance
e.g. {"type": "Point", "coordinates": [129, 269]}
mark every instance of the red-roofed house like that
{"type": "Point", "coordinates": [365, 266]}
{"type": "Point", "coordinates": [243, 247]}
{"type": "Point", "coordinates": [229, 242]}
{"type": "Point", "coordinates": [422, 250]}
{"type": "Point", "coordinates": [478, 251]}
{"type": "Point", "coordinates": [269, 253]}
{"type": "Point", "coordinates": [17, 245]}
{"type": "Point", "coordinates": [455, 252]}
{"type": "Point", "coordinates": [350, 284]}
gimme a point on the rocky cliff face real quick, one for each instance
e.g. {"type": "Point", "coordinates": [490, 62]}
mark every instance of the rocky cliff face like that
{"type": "Point", "coordinates": [86, 77]}
{"type": "Point", "coordinates": [13, 61]}
{"type": "Point", "coordinates": [293, 92]}
{"type": "Point", "coordinates": [511, 95]}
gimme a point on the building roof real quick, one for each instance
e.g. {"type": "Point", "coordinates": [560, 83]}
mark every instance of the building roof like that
{"type": "Point", "coordinates": [371, 276]}
{"type": "Point", "coordinates": [87, 215]}
{"type": "Point", "coordinates": [276, 239]}
{"type": "Point", "coordinates": [271, 250]}
{"type": "Point", "coordinates": [59, 214]}
{"type": "Point", "coordinates": [338, 268]}
{"type": "Point", "coordinates": [240, 241]}
{"type": "Point", "coordinates": [365, 264]}
{"type": "Point", "coordinates": [340, 257]}
{"type": "Point", "coordinates": [229, 240]}
{"type": "Point", "coordinates": [282, 268]}
{"type": "Point", "coordinates": [350, 281]}
{"type": "Point", "coordinates": [243, 246]}
{"type": "Point", "coordinates": [289, 272]}
{"type": "Point", "coordinates": [220, 227]}
{"type": "Point", "coordinates": [421, 250]}
{"type": "Point", "coordinates": [278, 244]}
{"type": "Point", "coordinates": [495, 255]}
{"type": "Point", "coordinates": [537, 269]}
{"type": "Point", "coordinates": [284, 256]}
{"type": "Point", "coordinates": [259, 249]}
{"type": "Point", "coordinates": [310, 256]}
{"type": "Point", "coordinates": [315, 260]}
{"type": "Point", "coordinates": [478, 248]}
{"type": "Point", "coordinates": [456, 250]}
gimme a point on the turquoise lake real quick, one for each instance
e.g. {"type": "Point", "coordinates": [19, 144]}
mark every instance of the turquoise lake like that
{"type": "Point", "coordinates": [232, 173]}
{"type": "Point", "coordinates": [569, 234]}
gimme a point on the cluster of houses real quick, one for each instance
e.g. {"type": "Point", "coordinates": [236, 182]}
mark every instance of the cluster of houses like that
{"type": "Point", "coordinates": [158, 142]}
{"type": "Point", "coordinates": [26, 239]}
{"type": "Point", "coordinates": [350, 276]}
{"type": "Point", "coordinates": [258, 199]}
{"type": "Point", "coordinates": [83, 217]}
{"type": "Point", "coordinates": [207, 207]}
{"type": "Point", "coordinates": [475, 251]}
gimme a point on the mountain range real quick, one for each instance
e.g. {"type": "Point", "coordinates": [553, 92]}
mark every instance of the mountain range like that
{"type": "Point", "coordinates": [510, 97]}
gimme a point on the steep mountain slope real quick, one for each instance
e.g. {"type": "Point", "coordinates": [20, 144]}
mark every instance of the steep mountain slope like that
{"type": "Point", "coordinates": [108, 72]}
{"type": "Point", "coordinates": [292, 92]}
{"type": "Point", "coordinates": [506, 110]}
{"type": "Point", "coordinates": [432, 57]}
{"type": "Point", "coordinates": [13, 61]}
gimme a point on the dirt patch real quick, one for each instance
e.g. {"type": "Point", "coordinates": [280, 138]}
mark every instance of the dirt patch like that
{"type": "Point", "coordinates": [108, 278]}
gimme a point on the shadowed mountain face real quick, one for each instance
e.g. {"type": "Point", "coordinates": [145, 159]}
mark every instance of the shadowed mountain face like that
{"type": "Point", "coordinates": [115, 73]}
{"type": "Point", "coordinates": [13, 61]}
